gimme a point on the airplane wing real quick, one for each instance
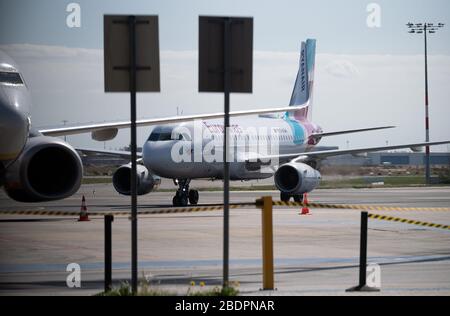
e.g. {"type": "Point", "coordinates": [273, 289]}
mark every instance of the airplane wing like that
{"type": "Point", "coordinates": [318, 135]}
{"type": "Point", "coordinates": [115, 153]}
{"type": "Point", "coordinates": [61, 131]}
{"type": "Point", "coordinates": [297, 157]}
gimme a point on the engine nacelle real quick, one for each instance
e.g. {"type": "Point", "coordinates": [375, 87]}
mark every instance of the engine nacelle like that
{"type": "Point", "coordinates": [47, 169]}
{"type": "Point", "coordinates": [417, 149]}
{"type": "Point", "coordinates": [296, 178]}
{"type": "Point", "coordinates": [104, 134]}
{"type": "Point", "coordinates": [146, 181]}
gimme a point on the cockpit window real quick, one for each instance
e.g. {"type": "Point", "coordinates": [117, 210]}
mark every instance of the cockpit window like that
{"type": "Point", "coordinates": [154, 136]}
{"type": "Point", "coordinates": [161, 134]}
{"type": "Point", "coordinates": [12, 78]}
{"type": "Point", "coordinates": [167, 133]}
{"type": "Point", "coordinates": [181, 135]}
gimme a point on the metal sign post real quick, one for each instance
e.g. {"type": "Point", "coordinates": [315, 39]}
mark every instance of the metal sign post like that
{"type": "Point", "coordinates": [225, 65]}
{"type": "Point", "coordinates": [132, 70]}
{"type": "Point", "coordinates": [131, 56]}
{"type": "Point", "coordinates": [226, 147]}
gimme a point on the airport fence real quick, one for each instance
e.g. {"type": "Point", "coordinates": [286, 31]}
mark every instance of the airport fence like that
{"type": "Point", "coordinates": [257, 204]}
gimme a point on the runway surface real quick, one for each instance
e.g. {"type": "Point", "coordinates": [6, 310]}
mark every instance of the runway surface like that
{"type": "Point", "coordinates": [314, 255]}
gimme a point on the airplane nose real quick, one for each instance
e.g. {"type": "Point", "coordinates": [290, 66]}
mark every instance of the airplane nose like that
{"type": "Point", "coordinates": [159, 157]}
{"type": "Point", "coordinates": [14, 127]}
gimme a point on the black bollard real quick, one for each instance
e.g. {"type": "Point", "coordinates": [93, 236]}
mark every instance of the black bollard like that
{"type": "Point", "coordinates": [362, 287]}
{"type": "Point", "coordinates": [108, 252]}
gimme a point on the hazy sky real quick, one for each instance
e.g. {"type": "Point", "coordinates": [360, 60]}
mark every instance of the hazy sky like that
{"type": "Point", "coordinates": [279, 25]}
{"type": "Point", "coordinates": [364, 76]}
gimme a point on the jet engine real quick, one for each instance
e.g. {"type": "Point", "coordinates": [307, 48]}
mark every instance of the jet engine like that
{"type": "Point", "coordinates": [47, 169]}
{"type": "Point", "coordinates": [146, 181]}
{"type": "Point", "coordinates": [296, 178]}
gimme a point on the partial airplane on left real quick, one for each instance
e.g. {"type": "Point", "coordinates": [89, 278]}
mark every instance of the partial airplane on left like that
{"type": "Point", "coordinates": [33, 167]}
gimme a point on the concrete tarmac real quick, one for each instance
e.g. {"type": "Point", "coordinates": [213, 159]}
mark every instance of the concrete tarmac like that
{"type": "Point", "coordinates": [314, 254]}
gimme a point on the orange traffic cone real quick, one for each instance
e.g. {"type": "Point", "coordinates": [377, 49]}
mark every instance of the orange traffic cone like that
{"type": "Point", "coordinates": [84, 217]}
{"type": "Point", "coordinates": [305, 209]}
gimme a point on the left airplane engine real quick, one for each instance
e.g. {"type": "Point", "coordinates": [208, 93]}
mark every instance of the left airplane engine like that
{"type": "Point", "coordinates": [146, 181]}
{"type": "Point", "coordinates": [47, 169]}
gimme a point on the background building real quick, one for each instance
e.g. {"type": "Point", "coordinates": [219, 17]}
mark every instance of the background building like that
{"type": "Point", "coordinates": [390, 158]}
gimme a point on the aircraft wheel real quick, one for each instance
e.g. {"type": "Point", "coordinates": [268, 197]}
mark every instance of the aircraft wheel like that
{"type": "Point", "coordinates": [298, 198]}
{"type": "Point", "coordinates": [285, 197]}
{"type": "Point", "coordinates": [176, 201]}
{"type": "Point", "coordinates": [183, 201]}
{"type": "Point", "coordinates": [193, 197]}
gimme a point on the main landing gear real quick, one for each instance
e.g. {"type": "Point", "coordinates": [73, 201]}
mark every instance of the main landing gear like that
{"type": "Point", "coordinates": [285, 197]}
{"type": "Point", "coordinates": [183, 194]}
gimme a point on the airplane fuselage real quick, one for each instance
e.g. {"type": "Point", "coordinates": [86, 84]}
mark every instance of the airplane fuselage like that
{"type": "Point", "coordinates": [15, 108]}
{"type": "Point", "coordinates": [195, 149]}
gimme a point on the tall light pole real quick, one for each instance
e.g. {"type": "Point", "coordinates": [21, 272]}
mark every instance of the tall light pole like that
{"type": "Point", "coordinates": [425, 28]}
{"type": "Point", "coordinates": [64, 122]}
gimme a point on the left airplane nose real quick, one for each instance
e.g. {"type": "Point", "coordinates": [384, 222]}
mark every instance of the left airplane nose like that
{"type": "Point", "coordinates": [14, 127]}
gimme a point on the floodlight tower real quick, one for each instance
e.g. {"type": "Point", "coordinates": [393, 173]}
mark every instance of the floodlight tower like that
{"type": "Point", "coordinates": [64, 122]}
{"type": "Point", "coordinates": [425, 28]}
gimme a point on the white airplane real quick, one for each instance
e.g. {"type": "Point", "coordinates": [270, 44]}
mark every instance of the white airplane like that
{"type": "Point", "coordinates": [35, 165]}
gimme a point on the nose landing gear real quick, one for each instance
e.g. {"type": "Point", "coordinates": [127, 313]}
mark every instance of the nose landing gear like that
{"type": "Point", "coordinates": [183, 194]}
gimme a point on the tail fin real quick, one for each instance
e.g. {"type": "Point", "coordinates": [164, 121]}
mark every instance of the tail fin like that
{"type": "Point", "coordinates": [303, 88]}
